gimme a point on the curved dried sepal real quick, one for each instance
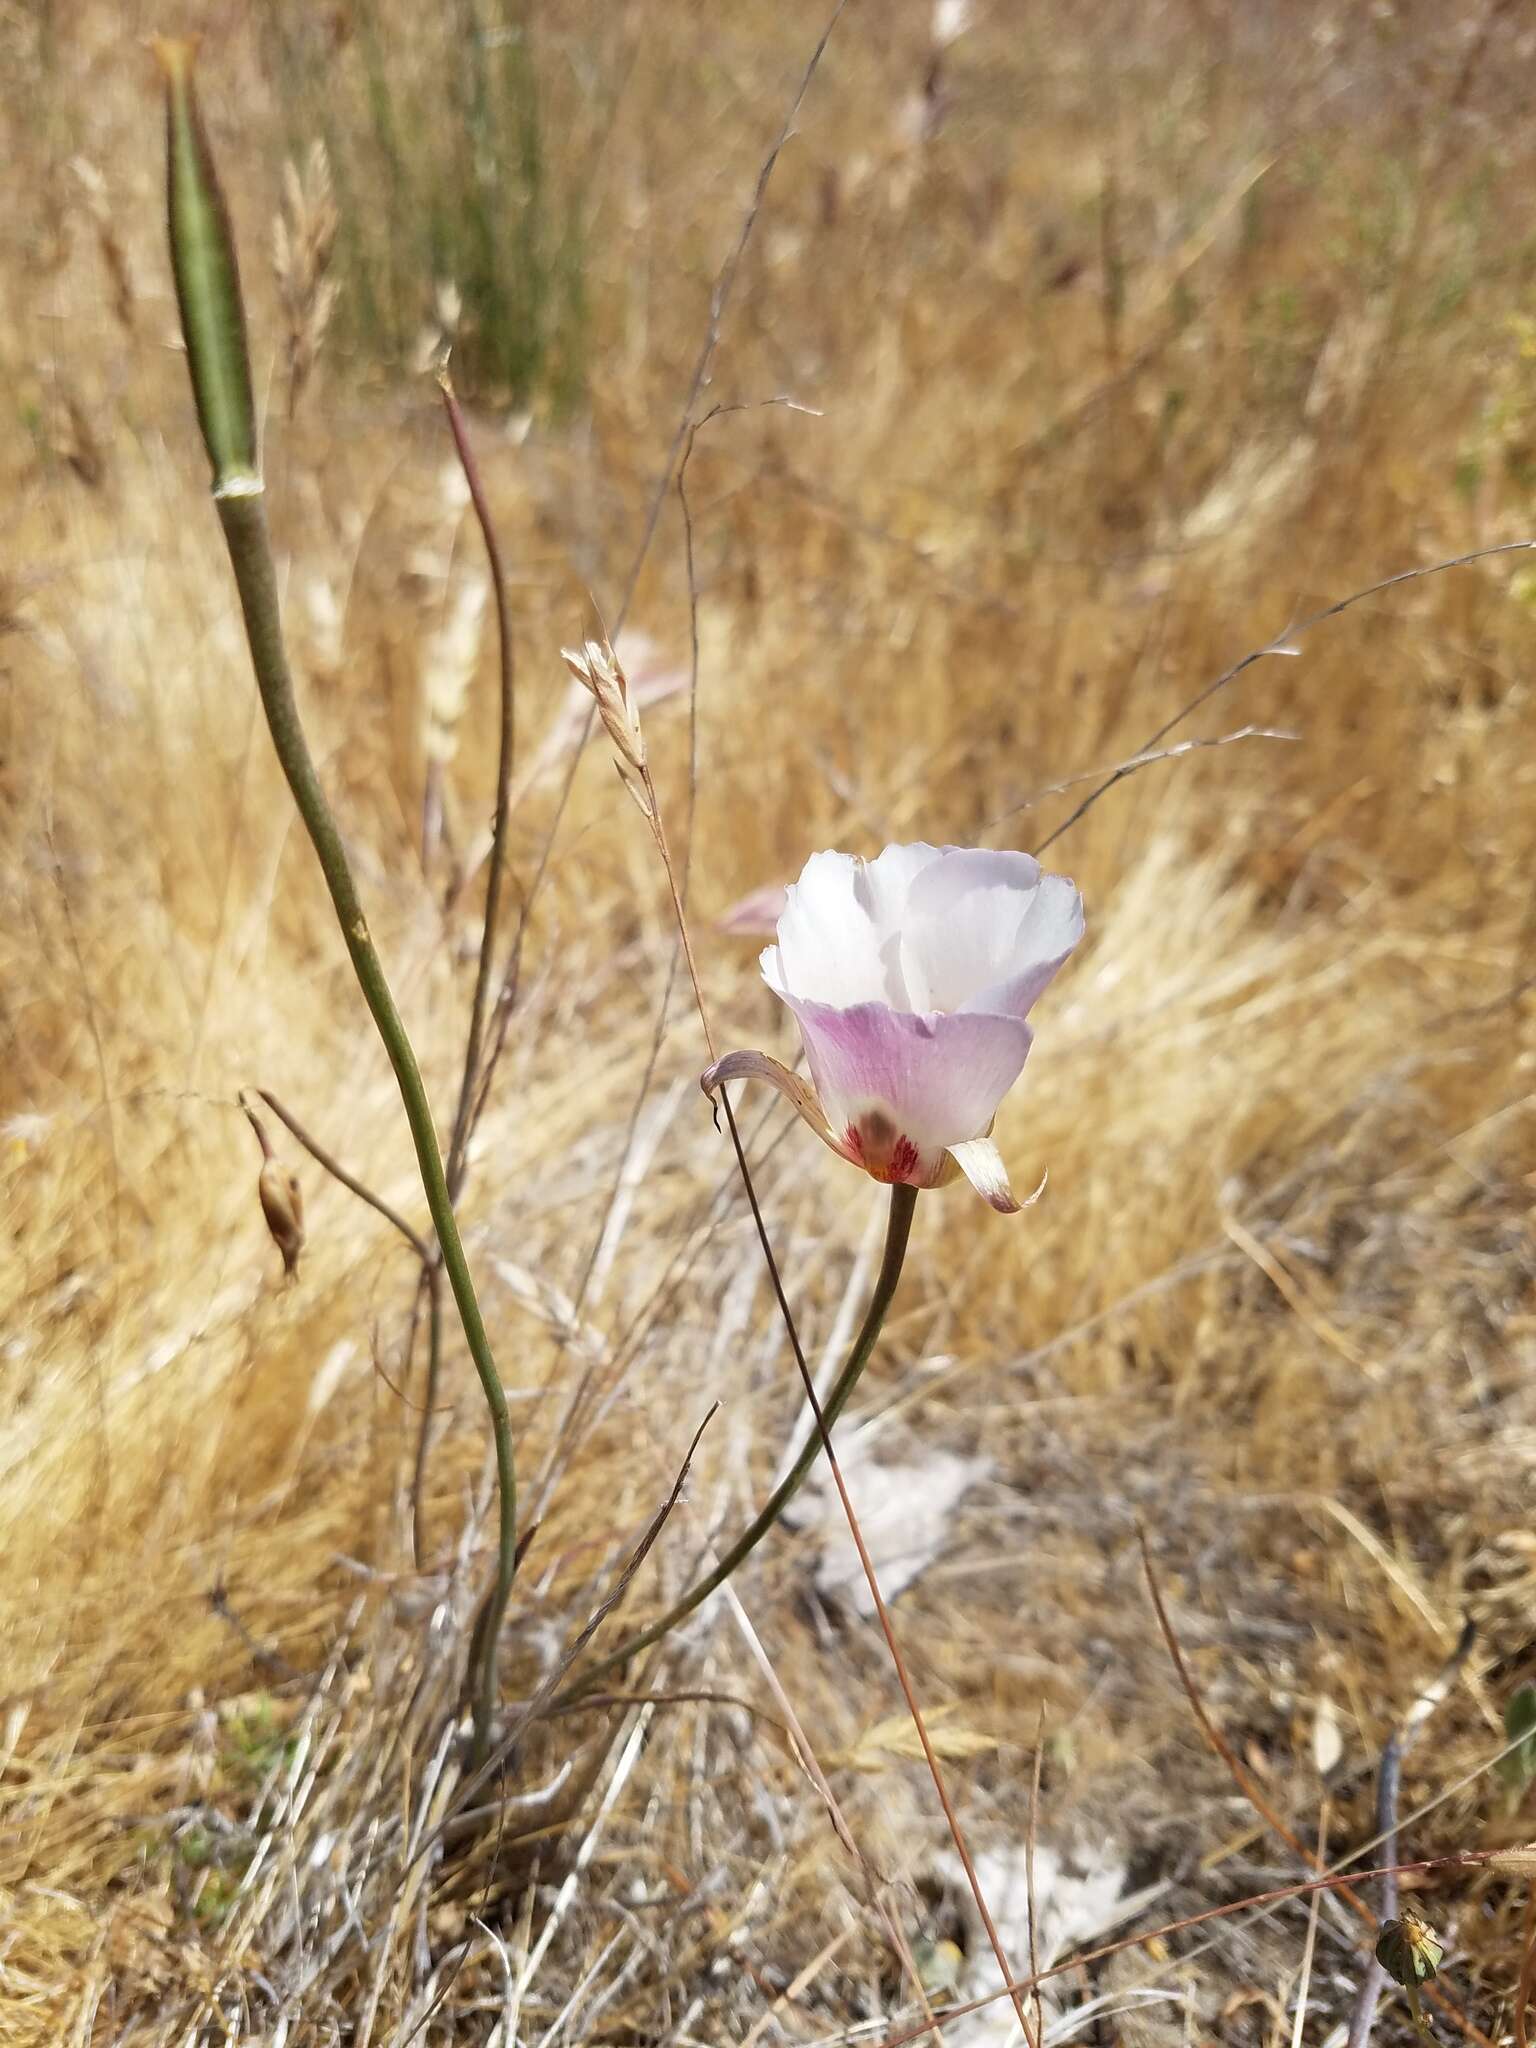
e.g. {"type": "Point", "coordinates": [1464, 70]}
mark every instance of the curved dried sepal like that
{"type": "Point", "coordinates": [982, 1164]}
{"type": "Point", "coordinates": [762, 1066]}
{"type": "Point", "coordinates": [207, 280]}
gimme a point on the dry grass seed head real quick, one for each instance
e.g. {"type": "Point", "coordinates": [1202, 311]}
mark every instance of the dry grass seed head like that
{"type": "Point", "coordinates": [303, 243]}
{"type": "Point", "coordinates": [598, 669]}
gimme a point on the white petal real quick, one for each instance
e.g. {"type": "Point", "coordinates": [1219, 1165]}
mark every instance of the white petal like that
{"type": "Point", "coordinates": [938, 1079]}
{"type": "Point", "coordinates": [840, 930]}
{"type": "Point", "coordinates": [1051, 928]}
{"type": "Point", "coordinates": [970, 925]}
{"type": "Point", "coordinates": [829, 948]}
{"type": "Point", "coordinates": [885, 883]}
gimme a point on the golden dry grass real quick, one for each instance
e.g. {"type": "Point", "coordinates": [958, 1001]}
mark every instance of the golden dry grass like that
{"type": "Point", "coordinates": [1178, 327]}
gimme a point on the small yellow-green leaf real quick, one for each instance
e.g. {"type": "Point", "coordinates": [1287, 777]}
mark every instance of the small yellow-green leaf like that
{"type": "Point", "coordinates": [939, 1964]}
{"type": "Point", "coordinates": [1408, 1949]}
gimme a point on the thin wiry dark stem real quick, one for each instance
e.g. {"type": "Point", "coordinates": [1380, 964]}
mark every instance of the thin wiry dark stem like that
{"type": "Point", "coordinates": [472, 1096]}
{"type": "Point", "coordinates": [720, 296]}
{"type": "Point", "coordinates": [580, 1396]}
{"type": "Point", "coordinates": [464, 1115]}
{"type": "Point", "coordinates": [903, 1203]}
{"type": "Point", "coordinates": [680, 446]}
{"type": "Point", "coordinates": [898, 1229]}
{"type": "Point", "coordinates": [719, 299]}
{"type": "Point", "coordinates": [823, 1434]}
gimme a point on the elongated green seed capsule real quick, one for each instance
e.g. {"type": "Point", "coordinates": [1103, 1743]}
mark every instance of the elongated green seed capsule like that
{"type": "Point", "coordinates": [207, 282]}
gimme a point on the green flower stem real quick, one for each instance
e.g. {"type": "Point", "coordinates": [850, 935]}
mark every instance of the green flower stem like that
{"type": "Point", "coordinates": [243, 516]}
{"type": "Point", "coordinates": [897, 1230]}
{"type": "Point", "coordinates": [207, 274]}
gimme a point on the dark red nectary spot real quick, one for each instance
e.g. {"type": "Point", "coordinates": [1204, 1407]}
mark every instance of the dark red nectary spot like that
{"type": "Point", "coordinates": [903, 1159]}
{"type": "Point", "coordinates": [884, 1153]}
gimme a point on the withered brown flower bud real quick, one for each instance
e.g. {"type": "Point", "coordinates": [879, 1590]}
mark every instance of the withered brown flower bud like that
{"type": "Point", "coordinates": [281, 1198]}
{"type": "Point", "coordinates": [282, 1203]}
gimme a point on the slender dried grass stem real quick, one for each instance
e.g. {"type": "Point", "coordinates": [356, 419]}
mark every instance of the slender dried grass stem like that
{"type": "Point", "coordinates": [472, 1088]}
{"type": "Point", "coordinates": [464, 1115]}
{"type": "Point", "coordinates": [898, 1230]}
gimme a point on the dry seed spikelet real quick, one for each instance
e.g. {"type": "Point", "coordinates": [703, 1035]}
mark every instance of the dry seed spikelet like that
{"type": "Point", "coordinates": [598, 669]}
{"type": "Point", "coordinates": [303, 238]}
{"type": "Point", "coordinates": [449, 660]}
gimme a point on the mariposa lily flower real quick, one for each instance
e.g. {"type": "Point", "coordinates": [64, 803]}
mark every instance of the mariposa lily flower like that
{"type": "Point", "coordinates": [911, 977]}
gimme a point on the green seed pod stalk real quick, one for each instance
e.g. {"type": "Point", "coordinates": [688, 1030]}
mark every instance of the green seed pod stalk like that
{"type": "Point", "coordinates": [207, 282]}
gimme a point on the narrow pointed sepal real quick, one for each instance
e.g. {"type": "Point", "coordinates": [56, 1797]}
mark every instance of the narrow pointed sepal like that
{"type": "Point", "coordinates": [982, 1164]}
{"type": "Point", "coordinates": [762, 1066]}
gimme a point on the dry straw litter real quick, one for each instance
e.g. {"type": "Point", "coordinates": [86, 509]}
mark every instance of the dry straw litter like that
{"type": "Point", "coordinates": [1061, 396]}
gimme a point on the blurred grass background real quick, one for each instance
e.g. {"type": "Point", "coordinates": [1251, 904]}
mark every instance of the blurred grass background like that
{"type": "Point", "coordinates": [1122, 342]}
